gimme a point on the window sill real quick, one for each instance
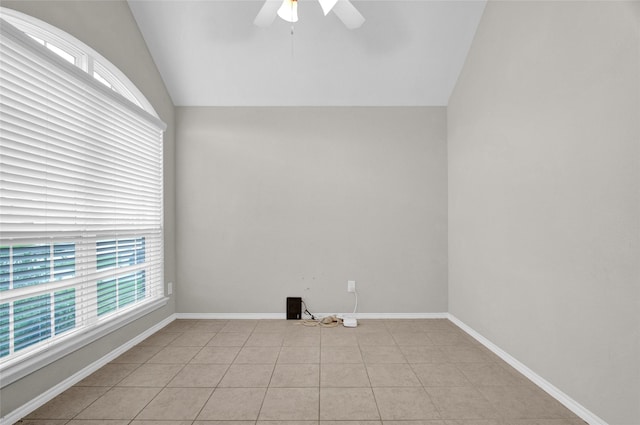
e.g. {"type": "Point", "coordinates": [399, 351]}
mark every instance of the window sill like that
{"type": "Point", "coordinates": [38, 360]}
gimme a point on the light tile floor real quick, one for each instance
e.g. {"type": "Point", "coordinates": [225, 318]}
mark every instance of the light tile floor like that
{"type": "Point", "coordinates": [278, 372]}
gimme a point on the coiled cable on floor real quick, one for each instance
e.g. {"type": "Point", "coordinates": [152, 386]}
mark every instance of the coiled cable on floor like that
{"type": "Point", "coordinates": [325, 322]}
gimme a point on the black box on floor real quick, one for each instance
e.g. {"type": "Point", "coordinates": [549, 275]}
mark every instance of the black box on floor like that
{"type": "Point", "coordinates": [294, 308]}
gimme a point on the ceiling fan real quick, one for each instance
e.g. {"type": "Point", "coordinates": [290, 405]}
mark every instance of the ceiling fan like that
{"type": "Point", "coordinates": [288, 10]}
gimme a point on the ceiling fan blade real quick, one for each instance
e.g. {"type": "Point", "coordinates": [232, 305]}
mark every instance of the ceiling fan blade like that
{"type": "Point", "coordinates": [268, 13]}
{"type": "Point", "coordinates": [348, 14]}
{"type": "Point", "coordinates": [327, 5]}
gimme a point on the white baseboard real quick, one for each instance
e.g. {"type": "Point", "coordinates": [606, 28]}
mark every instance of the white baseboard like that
{"type": "Point", "coordinates": [402, 315]}
{"type": "Point", "coordinates": [257, 316]}
{"type": "Point", "coordinates": [25, 409]}
{"type": "Point", "coordinates": [545, 385]}
{"type": "Point", "coordinates": [229, 316]}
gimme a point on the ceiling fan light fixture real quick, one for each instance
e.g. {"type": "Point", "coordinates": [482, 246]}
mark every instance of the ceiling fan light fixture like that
{"type": "Point", "coordinates": [327, 5]}
{"type": "Point", "coordinates": [289, 10]}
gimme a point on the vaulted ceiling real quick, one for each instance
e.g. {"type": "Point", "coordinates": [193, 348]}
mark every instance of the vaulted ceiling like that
{"type": "Point", "coordinates": [407, 53]}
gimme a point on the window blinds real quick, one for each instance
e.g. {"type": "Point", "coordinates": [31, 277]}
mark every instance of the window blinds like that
{"type": "Point", "coordinates": [80, 201]}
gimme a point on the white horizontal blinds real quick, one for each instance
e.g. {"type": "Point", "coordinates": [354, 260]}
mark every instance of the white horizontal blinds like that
{"type": "Point", "coordinates": [80, 200]}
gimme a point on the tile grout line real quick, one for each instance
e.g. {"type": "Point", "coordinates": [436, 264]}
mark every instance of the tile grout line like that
{"type": "Point", "coordinates": [215, 388]}
{"type": "Point", "coordinates": [165, 386]}
{"type": "Point", "coordinates": [264, 397]}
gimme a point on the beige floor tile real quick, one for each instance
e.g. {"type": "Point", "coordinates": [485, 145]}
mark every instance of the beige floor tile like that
{"type": "Point", "coordinates": [462, 403]}
{"type": "Point", "coordinates": [412, 339]}
{"type": "Point", "coordinates": [401, 325]}
{"type": "Point", "coordinates": [354, 423]}
{"type": "Point", "coordinates": [295, 376]}
{"type": "Point", "coordinates": [348, 404]}
{"type": "Point", "coordinates": [450, 338]}
{"type": "Point", "coordinates": [372, 354]}
{"type": "Point", "coordinates": [208, 326]}
{"type": "Point", "coordinates": [302, 340]}
{"type": "Point", "coordinates": [338, 339]}
{"type": "Point", "coordinates": [267, 339]}
{"type": "Point", "coordinates": [465, 354]}
{"type": "Point", "coordinates": [229, 339]}
{"type": "Point", "coordinates": [179, 325]}
{"type": "Point", "coordinates": [43, 421]}
{"type": "Point", "coordinates": [159, 422]}
{"type": "Point", "coordinates": [221, 423]}
{"type": "Point", "coordinates": [108, 375]}
{"type": "Point", "coordinates": [424, 354]}
{"type": "Point", "coordinates": [392, 375]}
{"type": "Point", "coordinates": [303, 330]}
{"type": "Point", "coordinates": [216, 355]}
{"type": "Point", "coordinates": [192, 339]}
{"type": "Point", "coordinates": [199, 376]}
{"type": "Point", "coordinates": [290, 404]}
{"type": "Point", "coordinates": [371, 325]}
{"type": "Point", "coordinates": [247, 375]}
{"type": "Point", "coordinates": [119, 403]}
{"type": "Point", "coordinates": [151, 375]}
{"type": "Point", "coordinates": [476, 422]}
{"type": "Point", "coordinates": [275, 326]}
{"type": "Point", "coordinates": [340, 355]}
{"type": "Point", "coordinates": [69, 403]}
{"type": "Point", "coordinates": [440, 375]}
{"type": "Point", "coordinates": [233, 404]}
{"type": "Point", "coordinates": [293, 355]}
{"type": "Point", "coordinates": [160, 339]}
{"type": "Point", "coordinates": [405, 404]}
{"type": "Point", "coordinates": [524, 402]}
{"type": "Point", "coordinates": [137, 354]}
{"type": "Point", "coordinates": [97, 422]}
{"type": "Point", "coordinates": [174, 355]}
{"type": "Point", "coordinates": [337, 330]}
{"type": "Point", "coordinates": [422, 422]}
{"type": "Point", "coordinates": [491, 374]}
{"type": "Point", "coordinates": [436, 325]}
{"type": "Point", "coordinates": [258, 355]}
{"type": "Point", "coordinates": [344, 375]}
{"type": "Point", "coordinates": [176, 404]}
{"type": "Point", "coordinates": [375, 338]}
{"type": "Point", "coordinates": [283, 423]}
{"type": "Point", "coordinates": [239, 326]}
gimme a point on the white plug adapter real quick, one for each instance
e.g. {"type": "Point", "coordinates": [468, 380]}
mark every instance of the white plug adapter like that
{"type": "Point", "coordinates": [349, 322]}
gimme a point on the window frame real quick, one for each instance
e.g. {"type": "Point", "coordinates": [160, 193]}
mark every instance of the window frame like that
{"type": "Point", "coordinates": [32, 360]}
{"type": "Point", "coordinates": [88, 60]}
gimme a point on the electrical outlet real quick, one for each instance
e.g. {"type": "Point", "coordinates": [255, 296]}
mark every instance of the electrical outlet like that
{"type": "Point", "coordinates": [169, 288]}
{"type": "Point", "coordinates": [351, 286]}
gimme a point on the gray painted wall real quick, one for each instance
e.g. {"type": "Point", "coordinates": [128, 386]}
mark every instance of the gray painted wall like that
{"type": "Point", "coordinates": [544, 195]}
{"type": "Point", "coordinates": [93, 23]}
{"type": "Point", "coordinates": [277, 202]}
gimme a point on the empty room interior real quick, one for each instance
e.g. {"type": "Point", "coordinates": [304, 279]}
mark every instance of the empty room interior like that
{"type": "Point", "coordinates": [458, 179]}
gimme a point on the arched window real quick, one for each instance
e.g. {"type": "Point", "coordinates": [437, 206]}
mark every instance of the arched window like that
{"type": "Point", "coordinates": [77, 53]}
{"type": "Point", "coordinates": [80, 196]}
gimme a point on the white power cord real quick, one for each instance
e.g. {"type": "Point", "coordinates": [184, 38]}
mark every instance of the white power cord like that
{"type": "Point", "coordinates": [351, 322]}
{"type": "Point", "coordinates": [356, 306]}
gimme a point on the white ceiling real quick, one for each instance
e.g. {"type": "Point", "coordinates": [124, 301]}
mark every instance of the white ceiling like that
{"type": "Point", "coordinates": [407, 53]}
